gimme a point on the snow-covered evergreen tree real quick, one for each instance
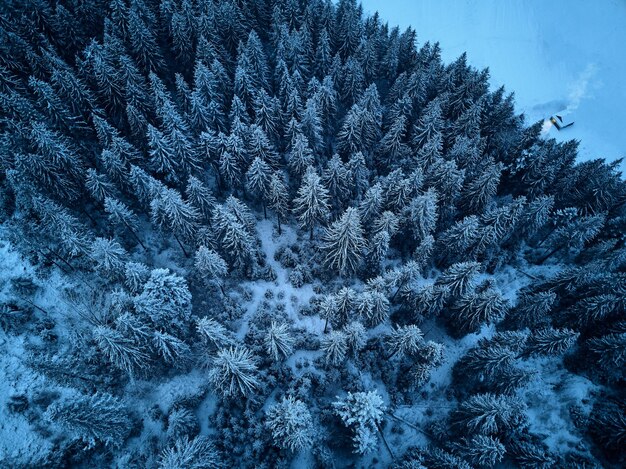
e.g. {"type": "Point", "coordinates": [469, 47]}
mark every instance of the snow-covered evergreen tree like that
{"type": "Point", "coordinates": [234, 373]}
{"type": "Point", "coordinates": [278, 341]}
{"type": "Point", "coordinates": [362, 412]}
{"type": "Point", "coordinates": [97, 418]}
{"type": "Point", "coordinates": [311, 205]}
{"type": "Point", "coordinates": [291, 424]}
{"type": "Point", "coordinates": [343, 243]}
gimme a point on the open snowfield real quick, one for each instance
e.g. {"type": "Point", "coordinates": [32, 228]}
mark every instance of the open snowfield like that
{"type": "Point", "coordinates": [555, 55]}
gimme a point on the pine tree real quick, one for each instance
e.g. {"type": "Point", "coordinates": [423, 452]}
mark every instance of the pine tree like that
{"type": "Point", "coordinates": [136, 275]}
{"type": "Point", "coordinates": [488, 414]}
{"type": "Point", "coordinates": [210, 266]}
{"type": "Point", "coordinates": [476, 308]}
{"type": "Point", "coordinates": [363, 413]}
{"type": "Point", "coordinates": [278, 341]}
{"type": "Point", "coordinates": [120, 215]}
{"type": "Point", "coordinates": [480, 190]}
{"type": "Point", "coordinates": [300, 156]}
{"type": "Point", "coordinates": [311, 203]}
{"type": "Point", "coordinates": [236, 242]}
{"type": "Point", "coordinates": [258, 180]}
{"type": "Point", "coordinates": [97, 418]}
{"type": "Point", "coordinates": [291, 424]}
{"type": "Point", "coordinates": [481, 450]}
{"type": "Point", "coordinates": [421, 215]}
{"type": "Point", "coordinates": [121, 351]}
{"type": "Point", "coordinates": [161, 155]}
{"type": "Point", "coordinates": [214, 333]}
{"type": "Point", "coordinates": [98, 185]}
{"type": "Point", "coordinates": [335, 347]}
{"type": "Point", "coordinates": [404, 340]}
{"type": "Point", "coordinates": [165, 299]}
{"type": "Point", "coordinates": [343, 243]}
{"type": "Point", "coordinates": [170, 348]}
{"type": "Point", "coordinates": [458, 277]}
{"type": "Point", "coordinates": [372, 203]}
{"type": "Point", "coordinates": [108, 255]}
{"type": "Point", "coordinates": [551, 341]}
{"type": "Point", "coordinates": [533, 310]}
{"type": "Point", "coordinates": [200, 197]}
{"type": "Point", "coordinates": [234, 373]}
{"type": "Point", "coordinates": [336, 178]}
{"type": "Point", "coordinates": [198, 453]}
{"type": "Point", "coordinates": [278, 198]}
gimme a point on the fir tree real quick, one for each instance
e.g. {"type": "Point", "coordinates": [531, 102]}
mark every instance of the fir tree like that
{"type": "Point", "coordinates": [551, 341]}
{"type": "Point", "coordinates": [234, 373]}
{"type": "Point", "coordinates": [198, 453]}
{"type": "Point", "coordinates": [290, 423]}
{"type": "Point", "coordinates": [335, 347]}
{"type": "Point", "coordinates": [120, 215]}
{"type": "Point", "coordinates": [311, 203]}
{"type": "Point", "coordinates": [278, 341]}
{"type": "Point", "coordinates": [343, 243]}
{"type": "Point", "coordinates": [278, 198]}
{"type": "Point", "coordinates": [258, 180]}
{"type": "Point", "coordinates": [97, 418]}
{"type": "Point", "coordinates": [362, 412]}
{"type": "Point", "coordinates": [210, 266]}
{"type": "Point", "coordinates": [165, 298]}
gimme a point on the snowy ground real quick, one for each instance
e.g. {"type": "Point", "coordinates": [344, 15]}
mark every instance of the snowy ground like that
{"type": "Point", "coordinates": [555, 55]}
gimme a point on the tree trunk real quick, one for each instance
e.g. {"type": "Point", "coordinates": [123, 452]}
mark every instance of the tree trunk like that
{"type": "Point", "coordinates": [181, 246]}
{"type": "Point", "coordinates": [385, 441]}
{"type": "Point", "coordinates": [264, 211]}
{"type": "Point", "coordinates": [135, 236]}
{"type": "Point", "coordinates": [550, 254]}
{"type": "Point", "coordinates": [311, 234]}
{"type": "Point", "coordinates": [280, 231]}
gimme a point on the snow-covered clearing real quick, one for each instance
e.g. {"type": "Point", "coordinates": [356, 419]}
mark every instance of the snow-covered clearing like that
{"type": "Point", "coordinates": [293, 297]}
{"type": "Point", "coordinates": [555, 55]}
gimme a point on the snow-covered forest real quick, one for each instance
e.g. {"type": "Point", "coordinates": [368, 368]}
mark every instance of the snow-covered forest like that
{"type": "Point", "coordinates": [282, 233]}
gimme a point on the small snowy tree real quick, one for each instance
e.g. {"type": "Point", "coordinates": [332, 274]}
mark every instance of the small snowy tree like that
{"type": "Point", "coordinates": [278, 198]}
{"type": "Point", "coordinates": [210, 266]}
{"type": "Point", "coordinates": [234, 373]}
{"type": "Point", "coordinates": [198, 453]}
{"type": "Point", "coordinates": [214, 333]}
{"type": "Point", "coordinates": [335, 347]}
{"type": "Point", "coordinates": [458, 277]}
{"type": "Point", "coordinates": [120, 215]}
{"type": "Point", "coordinates": [108, 255]}
{"type": "Point", "coordinates": [122, 351]}
{"type": "Point", "coordinates": [362, 412]}
{"type": "Point", "coordinates": [550, 341]}
{"type": "Point", "coordinates": [258, 180]}
{"type": "Point", "coordinates": [165, 298]}
{"type": "Point", "coordinates": [481, 450]}
{"type": "Point", "coordinates": [278, 341]}
{"type": "Point", "coordinates": [291, 424]}
{"type": "Point", "coordinates": [405, 340]}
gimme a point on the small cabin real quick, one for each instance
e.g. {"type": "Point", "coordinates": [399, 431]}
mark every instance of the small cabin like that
{"type": "Point", "coordinates": [561, 121]}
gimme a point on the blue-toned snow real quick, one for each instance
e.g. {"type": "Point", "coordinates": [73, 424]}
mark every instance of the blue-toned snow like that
{"type": "Point", "coordinates": [554, 54]}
